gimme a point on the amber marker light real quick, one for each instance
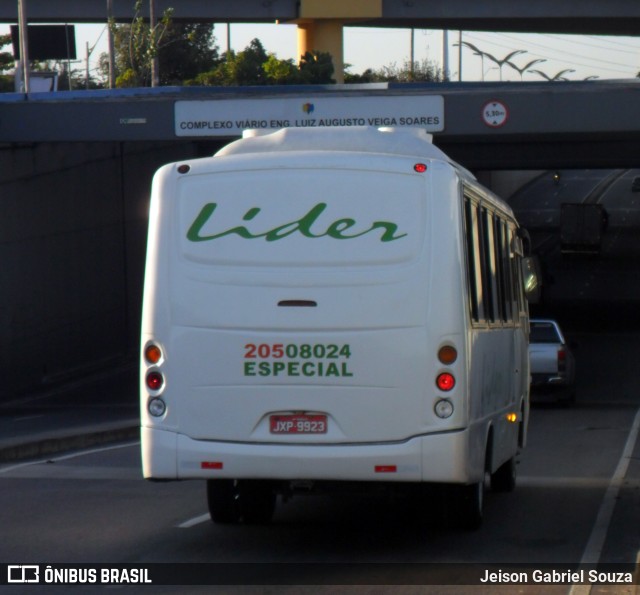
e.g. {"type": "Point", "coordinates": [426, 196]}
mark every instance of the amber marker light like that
{"type": "Point", "coordinates": [447, 355]}
{"type": "Point", "coordinates": [512, 417]}
{"type": "Point", "coordinates": [152, 353]}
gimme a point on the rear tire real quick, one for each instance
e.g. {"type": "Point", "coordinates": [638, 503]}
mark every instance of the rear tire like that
{"type": "Point", "coordinates": [504, 477]}
{"type": "Point", "coordinates": [234, 500]}
{"type": "Point", "coordinates": [469, 504]}
{"type": "Point", "coordinates": [223, 501]}
{"type": "Point", "coordinates": [257, 501]}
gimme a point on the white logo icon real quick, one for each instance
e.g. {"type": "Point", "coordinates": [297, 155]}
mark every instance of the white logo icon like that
{"type": "Point", "coordinates": [23, 573]}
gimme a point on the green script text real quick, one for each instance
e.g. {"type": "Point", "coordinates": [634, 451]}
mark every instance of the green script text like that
{"type": "Point", "coordinates": [336, 230]}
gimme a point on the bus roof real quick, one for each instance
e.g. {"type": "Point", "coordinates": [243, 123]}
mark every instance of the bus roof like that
{"type": "Point", "coordinates": [415, 142]}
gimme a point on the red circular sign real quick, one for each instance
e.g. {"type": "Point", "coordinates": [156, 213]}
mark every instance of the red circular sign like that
{"type": "Point", "coordinates": [495, 113]}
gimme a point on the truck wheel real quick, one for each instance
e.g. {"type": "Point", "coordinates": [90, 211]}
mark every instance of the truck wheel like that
{"type": "Point", "coordinates": [222, 498]}
{"type": "Point", "coordinates": [503, 479]}
{"type": "Point", "coordinates": [257, 501]}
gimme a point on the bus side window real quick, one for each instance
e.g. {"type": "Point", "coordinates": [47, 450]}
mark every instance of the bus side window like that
{"type": "Point", "coordinates": [502, 257]}
{"type": "Point", "coordinates": [489, 265]}
{"type": "Point", "coordinates": [517, 287]}
{"type": "Point", "coordinates": [474, 261]}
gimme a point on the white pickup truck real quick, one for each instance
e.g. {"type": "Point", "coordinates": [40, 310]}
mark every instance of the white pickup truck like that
{"type": "Point", "coordinates": [552, 362]}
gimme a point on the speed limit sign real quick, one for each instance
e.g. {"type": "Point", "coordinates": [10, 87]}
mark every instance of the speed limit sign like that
{"type": "Point", "coordinates": [495, 113]}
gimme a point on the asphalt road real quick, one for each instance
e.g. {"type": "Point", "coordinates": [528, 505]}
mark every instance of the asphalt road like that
{"type": "Point", "coordinates": [94, 507]}
{"type": "Point", "coordinates": [577, 501]}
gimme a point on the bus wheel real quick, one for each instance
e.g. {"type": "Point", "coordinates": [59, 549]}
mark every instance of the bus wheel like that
{"type": "Point", "coordinates": [469, 505]}
{"type": "Point", "coordinates": [222, 498]}
{"type": "Point", "coordinates": [504, 477]}
{"type": "Point", "coordinates": [257, 500]}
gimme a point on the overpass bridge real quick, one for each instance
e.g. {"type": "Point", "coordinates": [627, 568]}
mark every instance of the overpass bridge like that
{"type": "Point", "coordinates": [320, 22]}
{"type": "Point", "coordinates": [614, 17]}
{"type": "Point", "coordinates": [484, 126]}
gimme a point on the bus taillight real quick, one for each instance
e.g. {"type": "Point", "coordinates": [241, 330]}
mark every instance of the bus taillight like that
{"type": "Point", "coordinates": [445, 381]}
{"type": "Point", "coordinates": [155, 380]}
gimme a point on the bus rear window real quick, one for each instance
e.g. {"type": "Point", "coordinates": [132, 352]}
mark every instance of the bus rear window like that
{"type": "Point", "coordinates": [301, 217]}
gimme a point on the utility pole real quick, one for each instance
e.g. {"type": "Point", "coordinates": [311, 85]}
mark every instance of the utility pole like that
{"type": "Point", "coordinates": [112, 51]}
{"type": "Point", "coordinates": [460, 56]}
{"type": "Point", "coordinates": [412, 54]}
{"type": "Point", "coordinates": [24, 44]}
{"type": "Point", "coordinates": [155, 70]}
{"type": "Point", "coordinates": [445, 54]}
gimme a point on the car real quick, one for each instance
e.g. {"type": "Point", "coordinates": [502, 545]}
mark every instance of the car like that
{"type": "Point", "coordinates": [552, 362]}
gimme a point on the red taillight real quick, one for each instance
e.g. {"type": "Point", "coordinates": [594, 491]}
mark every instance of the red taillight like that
{"type": "Point", "coordinates": [562, 359]}
{"type": "Point", "coordinates": [445, 381]}
{"type": "Point", "coordinates": [420, 167]}
{"type": "Point", "coordinates": [155, 380]}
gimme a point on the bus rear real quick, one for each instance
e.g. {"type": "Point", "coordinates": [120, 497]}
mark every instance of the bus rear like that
{"type": "Point", "coordinates": [305, 320]}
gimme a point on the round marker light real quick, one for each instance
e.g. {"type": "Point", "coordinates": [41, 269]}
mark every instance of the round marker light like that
{"type": "Point", "coordinates": [157, 407]}
{"type": "Point", "coordinates": [445, 381]}
{"type": "Point", "coordinates": [447, 354]}
{"type": "Point", "coordinates": [152, 353]}
{"type": "Point", "coordinates": [420, 167]}
{"type": "Point", "coordinates": [155, 380]}
{"type": "Point", "coordinates": [443, 408]}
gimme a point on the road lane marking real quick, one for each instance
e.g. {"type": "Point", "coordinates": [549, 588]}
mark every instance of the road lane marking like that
{"type": "Point", "coordinates": [67, 456]}
{"type": "Point", "coordinates": [593, 549]}
{"type": "Point", "coordinates": [203, 518]}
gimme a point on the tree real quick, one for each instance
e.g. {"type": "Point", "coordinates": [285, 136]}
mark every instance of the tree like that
{"type": "Point", "coordinates": [280, 72]}
{"type": "Point", "coordinates": [7, 62]}
{"type": "Point", "coordinates": [245, 68]}
{"type": "Point", "coordinates": [423, 71]}
{"type": "Point", "coordinates": [135, 46]}
{"type": "Point", "coordinates": [316, 68]}
{"type": "Point", "coordinates": [183, 50]}
{"type": "Point", "coordinates": [187, 50]}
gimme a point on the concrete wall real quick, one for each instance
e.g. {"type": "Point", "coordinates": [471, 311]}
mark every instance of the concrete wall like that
{"type": "Point", "coordinates": [73, 229]}
{"type": "Point", "coordinates": [73, 220]}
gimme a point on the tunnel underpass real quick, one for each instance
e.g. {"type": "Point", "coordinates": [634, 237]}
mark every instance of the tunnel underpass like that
{"type": "Point", "coordinates": [596, 288]}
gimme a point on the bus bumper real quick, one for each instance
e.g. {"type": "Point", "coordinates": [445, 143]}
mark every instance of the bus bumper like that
{"type": "Point", "coordinates": [440, 458]}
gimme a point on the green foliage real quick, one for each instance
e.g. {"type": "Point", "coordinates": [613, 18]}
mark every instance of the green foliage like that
{"type": "Point", "coordinates": [7, 61]}
{"type": "Point", "coordinates": [245, 67]}
{"type": "Point", "coordinates": [280, 72]}
{"type": "Point", "coordinates": [136, 45]}
{"type": "Point", "coordinates": [254, 66]}
{"type": "Point", "coordinates": [421, 71]}
{"type": "Point", "coordinates": [316, 68]}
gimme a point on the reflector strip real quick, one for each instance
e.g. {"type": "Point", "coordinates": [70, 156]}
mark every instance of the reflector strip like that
{"type": "Point", "coordinates": [386, 468]}
{"type": "Point", "coordinates": [211, 465]}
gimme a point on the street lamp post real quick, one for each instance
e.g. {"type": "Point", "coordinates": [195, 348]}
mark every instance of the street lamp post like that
{"type": "Point", "coordinates": [24, 44]}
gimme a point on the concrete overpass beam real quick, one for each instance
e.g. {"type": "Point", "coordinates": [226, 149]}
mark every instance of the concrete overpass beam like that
{"type": "Point", "coordinates": [321, 22]}
{"type": "Point", "coordinates": [323, 36]}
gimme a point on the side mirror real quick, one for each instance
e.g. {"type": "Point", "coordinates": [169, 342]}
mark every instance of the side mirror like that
{"type": "Point", "coordinates": [532, 278]}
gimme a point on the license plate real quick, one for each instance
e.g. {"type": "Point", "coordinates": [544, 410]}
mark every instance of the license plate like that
{"type": "Point", "coordinates": [298, 424]}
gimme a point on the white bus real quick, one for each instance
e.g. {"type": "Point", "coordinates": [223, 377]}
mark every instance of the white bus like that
{"type": "Point", "coordinates": [332, 305]}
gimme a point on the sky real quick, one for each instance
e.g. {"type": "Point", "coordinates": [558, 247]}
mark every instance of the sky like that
{"type": "Point", "coordinates": [580, 56]}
